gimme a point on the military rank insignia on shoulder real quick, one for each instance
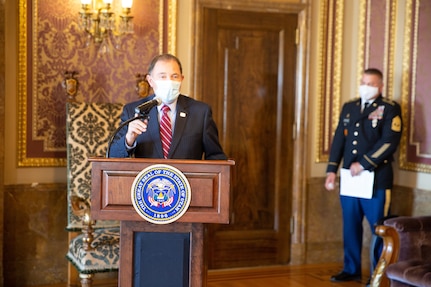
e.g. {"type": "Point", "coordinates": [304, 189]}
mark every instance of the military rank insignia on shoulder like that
{"type": "Point", "coordinates": [388, 101]}
{"type": "Point", "coordinates": [353, 100]}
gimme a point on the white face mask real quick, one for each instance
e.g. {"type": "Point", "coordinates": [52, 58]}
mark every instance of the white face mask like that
{"type": "Point", "coordinates": [367, 92]}
{"type": "Point", "coordinates": [168, 91]}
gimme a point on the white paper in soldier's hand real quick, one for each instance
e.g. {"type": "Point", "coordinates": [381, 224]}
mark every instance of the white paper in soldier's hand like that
{"type": "Point", "coordinates": [360, 186]}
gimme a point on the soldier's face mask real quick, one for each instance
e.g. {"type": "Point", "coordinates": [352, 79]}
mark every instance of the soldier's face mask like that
{"type": "Point", "coordinates": [367, 92]}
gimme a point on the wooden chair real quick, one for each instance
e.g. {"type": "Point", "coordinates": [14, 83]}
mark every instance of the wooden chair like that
{"type": "Point", "coordinates": [94, 246]}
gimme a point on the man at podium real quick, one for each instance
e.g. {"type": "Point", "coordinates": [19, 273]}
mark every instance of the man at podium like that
{"type": "Point", "coordinates": [177, 126]}
{"type": "Point", "coordinates": [168, 125]}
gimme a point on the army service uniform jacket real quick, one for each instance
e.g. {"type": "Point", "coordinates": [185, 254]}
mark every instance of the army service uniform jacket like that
{"type": "Point", "coordinates": [370, 137]}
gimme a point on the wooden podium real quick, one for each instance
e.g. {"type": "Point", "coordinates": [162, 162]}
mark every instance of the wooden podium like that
{"type": "Point", "coordinates": [112, 179]}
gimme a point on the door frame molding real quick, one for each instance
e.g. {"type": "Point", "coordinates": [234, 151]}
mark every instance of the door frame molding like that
{"type": "Point", "coordinates": [298, 220]}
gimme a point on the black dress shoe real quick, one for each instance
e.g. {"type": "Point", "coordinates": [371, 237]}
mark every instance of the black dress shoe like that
{"type": "Point", "coordinates": [343, 277]}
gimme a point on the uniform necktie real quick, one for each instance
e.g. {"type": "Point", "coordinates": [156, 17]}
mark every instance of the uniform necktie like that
{"type": "Point", "coordinates": [366, 104]}
{"type": "Point", "coordinates": [165, 130]}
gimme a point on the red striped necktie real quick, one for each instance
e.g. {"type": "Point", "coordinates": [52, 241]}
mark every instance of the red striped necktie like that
{"type": "Point", "coordinates": [165, 130]}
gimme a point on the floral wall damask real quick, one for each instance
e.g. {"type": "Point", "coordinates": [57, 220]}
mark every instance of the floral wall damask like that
{"type": "Point", "coordinates": [51, 42]}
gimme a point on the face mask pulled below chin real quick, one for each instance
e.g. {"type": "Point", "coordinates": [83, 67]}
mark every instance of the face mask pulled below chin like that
{"type": "Point", "coordinates": [367, 92]}
{"type": "Point", "coordinates": [168, 91]}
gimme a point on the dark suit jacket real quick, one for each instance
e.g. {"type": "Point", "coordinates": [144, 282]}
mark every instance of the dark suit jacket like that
{"type": "Point", "coordinates": [370, 138]}
{"type": "Point", "coordinates": [195, 134]}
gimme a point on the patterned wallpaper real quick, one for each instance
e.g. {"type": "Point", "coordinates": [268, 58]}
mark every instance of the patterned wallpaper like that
{"type": "Point", "coordinates": [51, 42]}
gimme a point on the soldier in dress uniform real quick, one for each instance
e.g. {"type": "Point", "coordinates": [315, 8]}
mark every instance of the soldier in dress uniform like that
{"type": "Point", "coordinates": [367, 136]}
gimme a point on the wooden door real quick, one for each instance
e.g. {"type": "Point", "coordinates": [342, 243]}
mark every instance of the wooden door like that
{"type": "Point", "coordinates": [249, 64]}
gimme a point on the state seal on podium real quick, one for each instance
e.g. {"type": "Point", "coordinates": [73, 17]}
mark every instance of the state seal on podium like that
{"type": "Point", "coordinates": [161, 194]}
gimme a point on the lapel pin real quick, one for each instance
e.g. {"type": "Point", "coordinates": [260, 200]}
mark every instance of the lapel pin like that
{"type": "Point", "coordinates": [183, 114]}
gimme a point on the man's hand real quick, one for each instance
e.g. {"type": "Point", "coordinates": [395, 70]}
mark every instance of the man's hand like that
{"type": "Point", "coordinates": [330, 181]}
{"type": "Point", "coordinates": [356, 168]}
{"type": "Point", "coordinates": [135, 128]}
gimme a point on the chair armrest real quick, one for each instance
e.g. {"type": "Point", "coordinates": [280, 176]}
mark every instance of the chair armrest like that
{"type": "Point", "coordinates": [390, 253]}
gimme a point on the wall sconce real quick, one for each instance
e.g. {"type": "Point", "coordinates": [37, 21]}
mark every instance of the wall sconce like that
{"type": "Point", "coordinates": [99, 22]}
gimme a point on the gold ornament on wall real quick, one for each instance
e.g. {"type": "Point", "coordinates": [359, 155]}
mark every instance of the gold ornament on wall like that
{"type": "Point", "coordinates": [143, 88]}
{"type": "Point", "coordinates": [70, 84]}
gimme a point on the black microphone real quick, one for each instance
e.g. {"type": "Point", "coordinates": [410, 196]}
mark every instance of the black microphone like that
{"type": "Point", "coordinates": [144, 108]}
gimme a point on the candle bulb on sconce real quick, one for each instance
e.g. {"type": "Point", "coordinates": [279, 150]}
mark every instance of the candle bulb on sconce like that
{"type": "Point", "coordinates": [98, 21]}
{"type": "Point", "coordinates": [126, 23]}
{"type": "Point", "coordinates": [127, 4]}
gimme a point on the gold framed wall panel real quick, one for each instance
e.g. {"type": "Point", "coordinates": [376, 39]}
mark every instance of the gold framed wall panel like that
{"type": "Point", "coordinates": [330, 64]}
{"type": "Point", "coordinates": [50, 43]}
{"type": "Point", "coordinates": [415, 147]}
{"type": "Point", "coordinates": [377, 40]}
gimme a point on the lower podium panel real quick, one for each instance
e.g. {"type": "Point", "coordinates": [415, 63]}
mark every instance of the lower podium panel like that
{"type": "Point", "coordinates": [161, 259]}
{"type": "Point", "coordinates": [162, 255]}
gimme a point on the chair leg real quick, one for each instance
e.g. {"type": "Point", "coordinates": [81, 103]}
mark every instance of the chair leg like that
{"type": "Point", "coordinates": [86, 280]}
{"type": "Point", "coordinates": [72, 273]}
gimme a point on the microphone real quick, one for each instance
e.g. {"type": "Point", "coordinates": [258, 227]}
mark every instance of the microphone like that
{"type": "Point", "coordinates": [144, 108]}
